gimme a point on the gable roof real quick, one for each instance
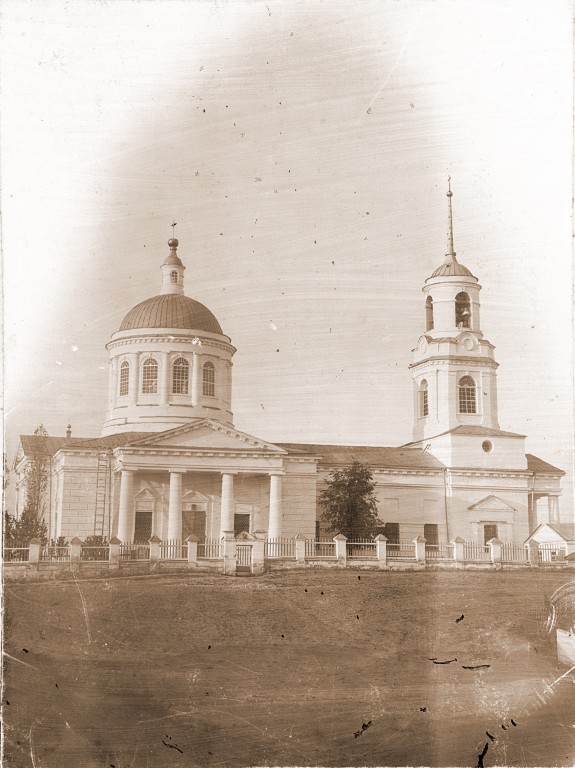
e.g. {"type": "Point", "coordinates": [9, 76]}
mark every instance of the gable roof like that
{"type": "Point", "coordinates": [214, 433]}
{"type": "Point", "coordinates": [374, 456]}
{"type": "Point", "coordinates": [469, 429]}
{"type": "Point", "coordinates": [562, 531]}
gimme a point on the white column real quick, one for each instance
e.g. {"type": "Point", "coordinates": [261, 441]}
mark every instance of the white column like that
{"type": "Point", "coordinates": [196, 380]}
{"type": "Point", "coordinates": [553, 509]}
{"type": "Point", "coordinates": [164, 377]}
{"type": "Point", "coordinates": [134, 380]}
{"type": "Point", "coordinates": [275, 517]}
{"type": "Point", "coordinates": [227, 506]}
{"type": "Point", "coordinates": [126, 512]}
{"type": "Point", "coordinates": [175, 505]}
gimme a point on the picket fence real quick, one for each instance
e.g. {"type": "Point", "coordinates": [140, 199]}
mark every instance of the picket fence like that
{"type": "Point", "coordinates": [268, 554]}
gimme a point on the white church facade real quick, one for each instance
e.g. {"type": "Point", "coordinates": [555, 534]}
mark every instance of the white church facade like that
{"type": "Point", "coordinates": [169, 461]}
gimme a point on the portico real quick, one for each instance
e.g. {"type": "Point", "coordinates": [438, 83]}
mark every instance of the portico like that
{"type": "Point", "coordinates": [239, 476]}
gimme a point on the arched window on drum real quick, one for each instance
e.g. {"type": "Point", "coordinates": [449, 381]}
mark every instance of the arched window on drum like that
{"type": "Point", "coordinates": [209, 380]}
{"type": "Point", "coordinates": [150, 377]}
{"type": "Point", "coordinates": [180, 376]}
{"type": "Point", "coordinates": [124, 378]}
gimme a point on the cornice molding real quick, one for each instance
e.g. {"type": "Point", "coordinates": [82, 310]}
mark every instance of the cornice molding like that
{"type": "Point", "coordinates": [482, 362]}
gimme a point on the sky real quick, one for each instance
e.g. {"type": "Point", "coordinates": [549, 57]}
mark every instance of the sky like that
{"type": "Point", "coordinates": [303, 149]}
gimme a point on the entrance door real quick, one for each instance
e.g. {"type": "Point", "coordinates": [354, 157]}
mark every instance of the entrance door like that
{"type": "Point", "coordinates": [241, 523]}
{"type": "Point", "coordinates": [143, 521]}
{"type": "Point", "coordinates": [194, 521]}
{"type": "Point", "coordinates": [489, 532]}
{"type": "Point", "coordinates": [431, 535]}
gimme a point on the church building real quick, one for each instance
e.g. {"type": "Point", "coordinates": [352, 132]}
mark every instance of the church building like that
{"type": "Point", "coordinates": [169, 461]}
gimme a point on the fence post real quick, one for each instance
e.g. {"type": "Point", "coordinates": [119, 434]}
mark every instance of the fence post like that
{"type": "Point", "coordinates": [381, 550]}
{"type": "Point", "coordinates": [495, 551]}
{"type": "Point", "coordinates": [155, 552]}
{"type": "Point", "coordinates": [34, 552]}
{"type": "Point", "coordinates": [533, 553]}
{"type": "Point", "coordinates": [458, 550]}
{"type": "Point", "coordinates": [419, 543]}
{"type": "Point", "coordinates": [192, 551]}
{"type": "Point", "coordinates": [114, 556]}
{"type": "Point", "coordinates": [300, 548]}
{"type": "Point", "coordinates": [75, 553]}
{"type": "Point", "coordinates": [258, 552]}
{"type": "Point", "coordinates": [229, 553]}
{"type": "Point", "coordinates": [341, 549]}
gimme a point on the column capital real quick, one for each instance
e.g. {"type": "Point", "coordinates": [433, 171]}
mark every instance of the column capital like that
{"type": "Point", "coordinates": [276, 473]}
{"type": "Point", "coordinates": [227, 472]}
{"type": "Point", "coordinates": [177, 471]}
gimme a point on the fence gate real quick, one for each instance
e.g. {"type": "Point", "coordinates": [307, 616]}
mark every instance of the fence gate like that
{"type": "Point", "coordinates": [243, 558]}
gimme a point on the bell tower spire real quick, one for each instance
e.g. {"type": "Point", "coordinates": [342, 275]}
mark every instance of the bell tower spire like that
{"type": "Point", "coordinates": [450, 256]}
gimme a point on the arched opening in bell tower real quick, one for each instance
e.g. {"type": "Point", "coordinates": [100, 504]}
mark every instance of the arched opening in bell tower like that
{"type": "Point", "coordinates": [462, 310]}
{"type": "Point", "coordinates": [429, 314]}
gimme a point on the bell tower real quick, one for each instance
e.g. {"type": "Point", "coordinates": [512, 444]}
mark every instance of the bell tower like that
{"type": "Point", "coordinates": [453, 368]}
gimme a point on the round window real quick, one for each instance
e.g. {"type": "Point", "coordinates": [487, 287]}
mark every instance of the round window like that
{"type": "Point", "coordinates": [487, 446]}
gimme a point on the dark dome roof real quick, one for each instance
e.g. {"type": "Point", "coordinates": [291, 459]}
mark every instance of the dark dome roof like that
{"type": "Point", "coordinates": [171, 310]}
{"type": "Point", "coordinates": [451, 269]}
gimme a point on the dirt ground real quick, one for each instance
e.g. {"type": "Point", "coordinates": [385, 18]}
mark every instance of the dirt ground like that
{"type": "Point", "coordinates": [293, 669]}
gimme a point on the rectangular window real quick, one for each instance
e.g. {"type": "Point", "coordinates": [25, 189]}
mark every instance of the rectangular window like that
{"type": "Point", "coordinates": [241, 524]}
{"type": "Point", "coordinates": [466, 400]}
{"type": "Point", "coordinates": [391, 532]}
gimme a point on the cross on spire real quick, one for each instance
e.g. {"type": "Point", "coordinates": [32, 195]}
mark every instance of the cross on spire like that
{"type": "Point", "coordinates": [174, 225]}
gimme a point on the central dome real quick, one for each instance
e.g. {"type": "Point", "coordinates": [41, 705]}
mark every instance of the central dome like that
{"type": "Point", "coordinates": [171, 310]}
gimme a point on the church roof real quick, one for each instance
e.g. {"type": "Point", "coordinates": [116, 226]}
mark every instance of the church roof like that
{"type": "Point", "coordinates": [375, 456]}
{"type": "Point", "coordinates": [171, 310]}
{"type": "Point", "coordinates": [45, 445]}
{"type": "Point", "coordinates": [468, 429]}
{"type": "Point", "coordinates": [540, 467]}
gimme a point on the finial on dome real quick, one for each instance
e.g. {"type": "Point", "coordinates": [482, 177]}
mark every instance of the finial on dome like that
{"type": "Point", "coordinates": [450, 255]}
{"type": "Point", "coordinates": [173, 243]}
{"type": "Point", "coordinates": [68, 431]}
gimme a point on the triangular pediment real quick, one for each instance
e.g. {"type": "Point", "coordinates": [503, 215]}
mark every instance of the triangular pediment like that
{"type": "Point", "coordinates": [492, 504]}
{"type": "Point", "coordinates": [207, 434]}
{"type": "Point", "coordinates": [546, 533]}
